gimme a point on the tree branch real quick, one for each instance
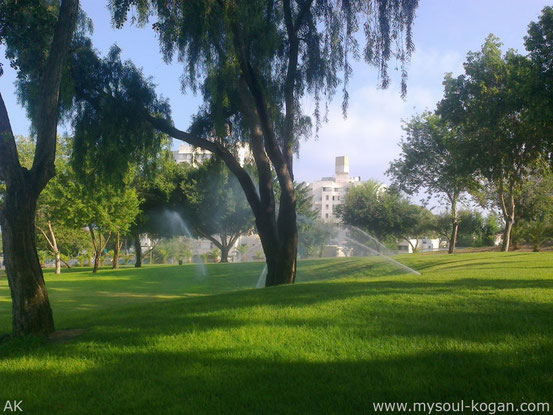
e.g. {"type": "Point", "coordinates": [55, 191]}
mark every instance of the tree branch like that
{"type": "Point", "coordinates": [45, 237]}
{"type": "Point", "coordinates": [266, 191]}
{"type": "Point", "coordinates": [9, 159]}
{"type": "Point", "coordinates": [43, 164]}
{"type": "Point", "coordinates": [230, 160]}
{"type": "Point", "coordinates": [211, 238]}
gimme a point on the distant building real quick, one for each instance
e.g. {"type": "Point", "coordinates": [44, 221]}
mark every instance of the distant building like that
{"type": "Point", "coordinates": [253, 249]}
{"type": "Point", "coordinates": [329, 192]}
{"type": "Point", "coordinates": [422, 245]}
{"type": "Point", "coordinates": [191, 155]}
{"type": "Point", "coordinates": [195, 156]}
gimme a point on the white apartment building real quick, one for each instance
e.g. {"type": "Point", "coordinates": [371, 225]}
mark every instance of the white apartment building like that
{"type": "Point", "coordinates": [191, 155]}
{"type": "Point", "coordinates": [329, 192]}
{"type": "Point", "coordinates": [196, 155]}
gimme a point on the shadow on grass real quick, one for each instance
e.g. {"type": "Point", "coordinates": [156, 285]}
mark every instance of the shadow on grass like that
{"type": "Point", "coordinates": [233, 381]}
{"type": "Point", "coordinates": [410, 340]}
{"type": "Point", "coordinates": [458, 309]}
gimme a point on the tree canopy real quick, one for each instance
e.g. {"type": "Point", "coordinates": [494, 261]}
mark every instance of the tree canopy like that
{"type": "Point", "coordinates": [492, 106]}
{"type": "Point", "coordinates": [432, 160]}
{"type": "Point", "coordinates": [211, 201]}
{"type": "Point", "coordinates": [252, 86]}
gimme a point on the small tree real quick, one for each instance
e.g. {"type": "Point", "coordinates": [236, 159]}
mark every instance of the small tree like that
{"type": "Point", "coordinates": [242, 249]}
{"type": "Point", "coordinates": [386, 214]}
{"type": "Point", "coordinates": [105, 211]}
{"type": "Point", "coordinates": [535, 209]}
{"type": "Point", "coordinates": [212, 202]}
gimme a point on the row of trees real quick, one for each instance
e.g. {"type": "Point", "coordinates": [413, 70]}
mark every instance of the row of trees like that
{"type": "Point", "coordinates": [392, 217]}
{"type": "Point", "coordinates": [490, 136]}
{"type": "Point", "coordinates": [77, 215]}
{"type": "Point", "coordinates": [89, 222]}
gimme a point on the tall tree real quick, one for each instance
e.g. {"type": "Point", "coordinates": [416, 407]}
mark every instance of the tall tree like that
{"type": "Point", "coordinates": [39, 57]}
{"type": "Point", "coordinates": [539, 44]}
{"type": "Point", "coordinates": [253, 85]}
{"type": "Point", "coordinates": [535, 209]}
{"type": "Point", "coordinates": [431, 160]}
{"type": "Point", "coordinates": [492, 104]}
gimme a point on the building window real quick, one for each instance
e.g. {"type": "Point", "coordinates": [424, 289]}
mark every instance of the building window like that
{"type": "Point", "coordinates": [326, 215]}
{"type": "Point", "coordinates": [326, 197]}
{"type": "Point", "coordinates": [326, 206]}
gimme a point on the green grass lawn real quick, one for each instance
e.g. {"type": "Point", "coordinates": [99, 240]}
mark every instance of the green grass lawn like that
{"type": "Point", "coordinates": [356, 331]}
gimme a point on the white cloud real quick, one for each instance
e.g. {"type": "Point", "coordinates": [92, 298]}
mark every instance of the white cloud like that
{"type": "Point", "coordinates": [372, 130]}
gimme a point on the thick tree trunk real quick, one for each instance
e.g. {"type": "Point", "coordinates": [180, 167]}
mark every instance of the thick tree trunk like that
{"type": "Point", "coordinates": [280, 243]}
{"type": "Point", "coordinates": [281, 263]}
{"type": "Point", "coordinates": [137, 250]}
{"type": "Point", "coordinates": [30, 304]}
{"type": "Point", "coordinates": [507, 234]}
{"type": "Point", "coordinates": [224, 253]}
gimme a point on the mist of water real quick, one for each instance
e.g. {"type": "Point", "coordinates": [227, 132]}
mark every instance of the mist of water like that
{"type": "Point", "coordinates": [340, 235]}
{"type": "Point", "coordinates": [262, 278]}
{"type": "Point", "coordinates": [179, 227]}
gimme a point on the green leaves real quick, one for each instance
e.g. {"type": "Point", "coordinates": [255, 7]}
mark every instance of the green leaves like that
{"type": "Point", "coordinates": [432, 159]}
{"type": "Point", "coordinates": [385, 213]}
{"type": "Point", "coordinates": [211, 200]}
{"type": "Point", "coordinates": [111, 127]}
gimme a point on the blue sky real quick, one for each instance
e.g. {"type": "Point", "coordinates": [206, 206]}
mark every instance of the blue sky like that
{"type": "Point", "coordinates": [444, 31]}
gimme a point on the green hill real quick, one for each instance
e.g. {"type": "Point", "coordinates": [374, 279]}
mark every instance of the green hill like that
{"type": "Point", "coordinates": [163, 339]}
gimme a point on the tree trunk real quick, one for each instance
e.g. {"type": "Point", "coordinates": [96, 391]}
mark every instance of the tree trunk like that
{"type": "Point", "coordinates": [67, 264]}
{"type": "Point", "coordinates": [58, 263]}
{"type": "Point", "coordinates": [30, 304]}
{"type": "Point", "coordinates": [96, 262]}
{"type": "Point", "coordinates": [224, 253]}
{"type": "Point", "coordinates": [137, 250]}
{"type": "Point", "coordinates": [455, 224]}
{"type": "Point", "coordinates": [116, 250]}
{"type": "Point", "coordinates": [507, 234]}
{"type": "Point", "coordinates": [453, 240]}
{"type": "Point", "coordinates": [281, 265]}
{"type": "Point", "coordinates": [280, 251]}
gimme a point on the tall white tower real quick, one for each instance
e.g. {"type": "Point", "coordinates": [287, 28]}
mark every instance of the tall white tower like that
{"type": "Point", "coordinates": [342, 169]}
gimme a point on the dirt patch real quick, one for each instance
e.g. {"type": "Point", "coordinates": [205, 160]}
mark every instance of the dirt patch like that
{"type": "Point", "coordinates": [63, 336]}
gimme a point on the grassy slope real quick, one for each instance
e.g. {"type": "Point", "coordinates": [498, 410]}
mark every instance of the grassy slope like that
{"type": "Point", "coordinates": [473, 326]}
